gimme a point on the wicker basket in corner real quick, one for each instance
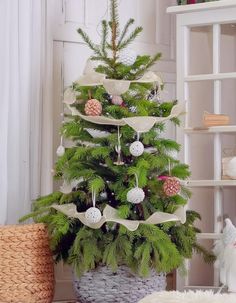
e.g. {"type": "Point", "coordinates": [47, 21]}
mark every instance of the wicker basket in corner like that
{"type": "Point", "coordinates": [26, 264]}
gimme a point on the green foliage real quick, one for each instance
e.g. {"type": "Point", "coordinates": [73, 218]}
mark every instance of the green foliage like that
{"type": "Point", "coordinates": [118, 41]}
{"type": "Point", "coordinates": [91, 162]}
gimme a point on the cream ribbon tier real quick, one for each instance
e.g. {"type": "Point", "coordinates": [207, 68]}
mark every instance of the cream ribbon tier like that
{"type": "Point", "coordinates": [110, 214]}
{"type": "Point", "coordinates": [140, 124]}
{"type": "Point", "coordinates": [113, 86]}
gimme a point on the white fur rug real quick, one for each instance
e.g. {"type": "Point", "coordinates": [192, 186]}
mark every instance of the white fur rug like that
{"type": "Point", "coordinates": [189, 297]}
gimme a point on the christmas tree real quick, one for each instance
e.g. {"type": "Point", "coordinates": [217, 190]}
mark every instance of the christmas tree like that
{"type": "Point", "coordinates": [122, 200]}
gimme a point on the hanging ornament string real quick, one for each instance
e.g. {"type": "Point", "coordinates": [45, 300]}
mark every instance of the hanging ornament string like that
{"type": "Point", "coordinates": [138, 136]}
{"type": "Point", "coordinates": [94, 198]}
{"type": "Point", "coordinates": [169, 167]}
{"type": "Point", "coordinates": [118, 148]}
{"type": "Point", "coordinates": [136, 179]}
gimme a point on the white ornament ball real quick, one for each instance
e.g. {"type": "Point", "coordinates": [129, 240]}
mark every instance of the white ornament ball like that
{"type": "Point", "coordinates": [116, 100]}
{"type": "Point", "coordinates": [135, 195]}
{"type": "Point", "coordinates": [93, 215]}
{"type": "Point", "coordinates": [60, 150]}
{"type": "Point", "coordinates": [127, 57]}
{"type": "Point", "coordinates": [231, 168]}
{"type": "Point", "coordinates": [136, 148]}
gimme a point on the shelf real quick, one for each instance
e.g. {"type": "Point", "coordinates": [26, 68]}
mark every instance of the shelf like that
{"type": "Point", "coordinates": [210, 130]}
{"type": "Point", "coordinates": [208, 183]}
{"type": "Point", "coordinates": [209, 236]}
{"type": "Point", "coordinates": [180, 9]}
{"type": "Point", "coordinates": [204, 77]}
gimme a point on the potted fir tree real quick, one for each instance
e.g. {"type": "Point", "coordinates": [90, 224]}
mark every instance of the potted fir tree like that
{"type": "Point", "coordinates": [119, 216]}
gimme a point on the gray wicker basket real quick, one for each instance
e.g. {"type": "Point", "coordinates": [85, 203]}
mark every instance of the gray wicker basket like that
{"type": "Point", "coordinates": [104, 286]}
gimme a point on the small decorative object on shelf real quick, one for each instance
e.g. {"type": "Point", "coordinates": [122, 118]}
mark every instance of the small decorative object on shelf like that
{"type": "Point", "coordinates": [26, 264]}
{"type": "Point", "coordinates": [111, 246]}
{"type": "Point", "coordinates": [215, 119]}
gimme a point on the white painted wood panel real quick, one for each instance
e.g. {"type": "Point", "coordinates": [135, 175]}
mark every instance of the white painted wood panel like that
{"type": "Point", "coordinates": [213, 198]}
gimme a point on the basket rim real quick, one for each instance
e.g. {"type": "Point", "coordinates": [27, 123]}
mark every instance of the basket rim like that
{"type": "Point", "coordinates": [14, 226]}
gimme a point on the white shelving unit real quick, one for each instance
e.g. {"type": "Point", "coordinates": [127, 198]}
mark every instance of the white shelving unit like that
{"type": "Point", "coordinates": [212, 14]}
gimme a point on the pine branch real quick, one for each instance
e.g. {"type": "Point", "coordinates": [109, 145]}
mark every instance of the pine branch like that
{"type": "Point", "coordinates": [88, 41]}
{"type": "Point", "coordinates": [152, 61]}
{"type": "Point", "coordinates": [207, 256]}
{"type": "Point", "coordinates": [131, 38]}
{"type": "Point", "coordinates": [104, 38]}
{"type": "Point", "coordinates": [114, 25]}
{"type": "Point", "coordinates": [125, 30]}
{"type": "Point", "coordinates": [114, 16]}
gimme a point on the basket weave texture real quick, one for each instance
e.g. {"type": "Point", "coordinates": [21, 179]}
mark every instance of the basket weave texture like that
{"type": "Point", "coordinates": [26, 264]}
{"type": "Point", "coordinates": [104, 286]}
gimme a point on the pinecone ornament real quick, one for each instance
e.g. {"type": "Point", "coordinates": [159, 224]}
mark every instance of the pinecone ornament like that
{"type": "Point", "coordinates": [171, 186]}
{"type": "Point", "coordinates": [93, 108]}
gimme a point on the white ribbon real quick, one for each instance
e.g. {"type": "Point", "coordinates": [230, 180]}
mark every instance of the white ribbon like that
{"type": "Point", "coordinates": [110, 214]}
{"type": "Point", "coordinates": [94, 198]}
{"type": "Point", "coordinates": [139, 124]}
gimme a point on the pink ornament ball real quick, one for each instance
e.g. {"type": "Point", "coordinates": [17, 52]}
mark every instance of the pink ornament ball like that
{"type": "Point", "coordinates": [93, 108]}
{"type": "Point", "coordinates": [116, 100]}
{"type": "Point", "coordinates": [171, 186]}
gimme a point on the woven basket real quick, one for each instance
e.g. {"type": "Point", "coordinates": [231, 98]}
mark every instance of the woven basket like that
{"type": "Point", "coordinates": [104, 286]}
{"type": "Point", "coordinates": [26, 264]}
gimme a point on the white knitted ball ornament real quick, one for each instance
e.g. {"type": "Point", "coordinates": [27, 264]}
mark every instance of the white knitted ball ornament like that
{"type": "Point", "coordinates": [135, 195]}
{"type": "Point", "coordinates": [127, 57]}
{"type": "Point", "coordinates": [93, 215]}
{"type": "Point", "coordinates": [136, 148]}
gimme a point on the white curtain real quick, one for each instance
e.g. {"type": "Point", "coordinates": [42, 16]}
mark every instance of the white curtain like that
{"type": "Point", "coordinates": [25, 126]}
